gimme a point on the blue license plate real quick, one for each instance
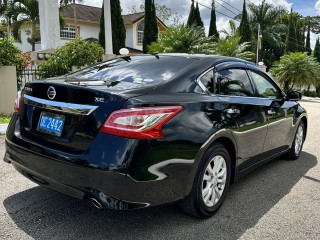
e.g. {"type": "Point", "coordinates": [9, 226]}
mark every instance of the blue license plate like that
{"type": "Point", "coordinates": [51, 123]}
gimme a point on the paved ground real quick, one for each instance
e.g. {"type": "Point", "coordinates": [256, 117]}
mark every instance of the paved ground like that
{"type": "Point", "coordinates": [278, 201]}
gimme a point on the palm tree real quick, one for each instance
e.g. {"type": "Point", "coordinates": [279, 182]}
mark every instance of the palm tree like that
{"type": "Point", "coordinates": [273, 31]}
{"type": "Point", "coordinates": [183, 39]}
{"type": "Point", "coordinates": [27, 11]}
{"type": "Point", "coordinates": [7, 12]}
{"type": "Point", "coordinates": [231, 47]}
{"type": "Point", "coordinates": [296, 69]}
{"type": "Point", "coordinates": [67, 2]}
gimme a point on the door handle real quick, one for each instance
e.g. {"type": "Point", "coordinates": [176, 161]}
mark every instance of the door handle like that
{"type": "Point", "coordinates": [271, 112]}
{"type": "Point", "coordinates": [233, 111]}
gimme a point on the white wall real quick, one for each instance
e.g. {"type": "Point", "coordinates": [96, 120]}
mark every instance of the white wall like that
{"type": "Point", "coordinates": [24, 45]}
{"type": "Point", "coordinates": [135, 40]}
{"type": "Point", "coordinates": [129, 36]}
{"type": "Point", "coordinates": [86, 31]}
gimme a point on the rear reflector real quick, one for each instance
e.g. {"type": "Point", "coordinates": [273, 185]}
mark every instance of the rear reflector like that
{"type": "Point", "coordinates": [17, 102]}
{"type": "Point", "coordinates": [139, 123]}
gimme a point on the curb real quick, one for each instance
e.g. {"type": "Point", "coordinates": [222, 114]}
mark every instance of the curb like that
{"type": "Point", "coordinates": [3, 128]}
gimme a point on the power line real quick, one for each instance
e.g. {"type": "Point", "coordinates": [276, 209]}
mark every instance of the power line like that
{"type": "Point", "coordinates": [238, 20]}
{"type": "Point", "coordinates": [227, 8]}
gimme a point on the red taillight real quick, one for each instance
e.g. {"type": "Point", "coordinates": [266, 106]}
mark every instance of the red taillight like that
{"type": "Point", "coordinates": [17, 102]}
{"type": "Point", "coordinates": [139, 123]}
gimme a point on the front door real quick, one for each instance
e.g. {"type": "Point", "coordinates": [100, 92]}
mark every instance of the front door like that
{"type": "Point", "coordinates": [244, 114]}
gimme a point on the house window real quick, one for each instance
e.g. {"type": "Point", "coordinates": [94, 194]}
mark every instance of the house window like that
{"type": "Point", "coordinates": [68, 32]}
{"type": "Point", "coordinates": [140, 32]}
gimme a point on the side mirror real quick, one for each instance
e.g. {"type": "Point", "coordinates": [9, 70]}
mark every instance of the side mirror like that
{"type": "Point", "coordinates": [294, 96]}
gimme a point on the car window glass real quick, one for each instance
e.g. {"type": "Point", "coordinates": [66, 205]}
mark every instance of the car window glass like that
{"type": "Point", "coordinates": [207, 79]}
{"type": "Point", "coordinates": [234, 82]}
{"type": "Point", "coordinates": [264, 87]}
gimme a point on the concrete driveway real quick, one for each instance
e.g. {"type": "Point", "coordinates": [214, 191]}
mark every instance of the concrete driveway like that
{"type": "Point", "coordinates": [280, 200]}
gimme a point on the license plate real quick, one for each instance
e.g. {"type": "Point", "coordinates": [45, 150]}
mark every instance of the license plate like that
{"type": "Point", "coordinates": [51, 123]}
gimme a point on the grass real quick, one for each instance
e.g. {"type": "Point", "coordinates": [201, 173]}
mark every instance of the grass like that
{"type": "Point", "coordinates": [4, 119]}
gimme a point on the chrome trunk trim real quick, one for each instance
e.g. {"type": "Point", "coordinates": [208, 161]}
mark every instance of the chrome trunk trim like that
{"type": "Point", "coordinates": [77, 109]}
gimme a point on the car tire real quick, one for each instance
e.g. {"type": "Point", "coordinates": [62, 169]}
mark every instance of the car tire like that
{"type": "Point", "coordinates": [297, 143]}
{"type": "Point", "coordinates": [210, 184]}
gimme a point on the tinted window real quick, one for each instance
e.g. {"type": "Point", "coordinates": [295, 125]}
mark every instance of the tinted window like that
{"type": "Point", "coordinates": [207, 80]}
{"type": "Point", "coordinates": [264, 87]}
{"type": "Point", "coordinates": [146, 70]}
{"type": "Point", "coordinates": [234, 82]}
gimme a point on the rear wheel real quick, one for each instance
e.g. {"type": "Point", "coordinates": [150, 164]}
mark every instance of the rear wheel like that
{"type": "Point", "coordinates": [297, 143]}
{"type": "Point", "coordinates": [211, 183]}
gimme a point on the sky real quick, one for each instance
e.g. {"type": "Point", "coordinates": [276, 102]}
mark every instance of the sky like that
{"type": "Point", "coordinates": [304, 7]}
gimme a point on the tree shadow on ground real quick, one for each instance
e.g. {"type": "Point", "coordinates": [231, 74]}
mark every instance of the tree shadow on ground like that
{"type": "Point", "coordinates": [44, 214]}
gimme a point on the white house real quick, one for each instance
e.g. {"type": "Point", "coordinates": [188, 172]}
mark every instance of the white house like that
{"type": "Point", "coordinates": [88, 21]}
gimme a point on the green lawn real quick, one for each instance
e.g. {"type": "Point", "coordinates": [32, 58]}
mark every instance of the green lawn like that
{"type": "Point", "coordinates": [4, 119]}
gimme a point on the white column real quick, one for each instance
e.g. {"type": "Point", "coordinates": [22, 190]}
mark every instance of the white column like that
{"type": "Point", "coordinates": [108, 28]}
{"type": "Point", "coordinates": [49, 24]}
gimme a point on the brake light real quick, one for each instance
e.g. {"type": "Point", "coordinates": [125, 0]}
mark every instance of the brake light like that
{"type": "Point", "coordinates": [139, 123]}
{"type": "Point", "coordinates": [17, 102]}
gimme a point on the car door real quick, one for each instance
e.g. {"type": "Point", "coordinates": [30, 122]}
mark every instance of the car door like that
{"type": "Point", "coordinates": [243, 112]}
{"type": "Point", "coordinates": [279, 112]}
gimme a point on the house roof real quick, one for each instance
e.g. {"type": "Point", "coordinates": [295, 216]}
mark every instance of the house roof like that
{"type": "Point", "coordinates": [93, 14]}
{"type": "Point", "coordinates": [84, 13]}
{"type": "Point", "coordinates": [132, 18]}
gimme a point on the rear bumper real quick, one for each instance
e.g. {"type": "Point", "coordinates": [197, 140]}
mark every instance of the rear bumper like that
{"type": "Point", "coordinates": [112, 185]}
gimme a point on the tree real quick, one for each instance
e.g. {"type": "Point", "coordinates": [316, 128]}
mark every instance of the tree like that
{"type": "Point", "coordinates": [67, 2]}
{"type": "Point", "coordinates": [102, 38]}
{"type": "Point", "coordinates": [296, 69]}
{"type": "Point", "coordinates": [75, 53]}
{"type": "Point", "coordinates": [27, 11]}
{"type": "Point", "coordinates": [192, 16]}
{"type": "Point", "coordinates": [163, 12]}
{"type": "Point", "coordinates": [300, 36]}
{"type": "Point", "coordinates": [291, 41]}
{"type": "Point", "coordinates": [7, 12]}
{"type": "Point", "coordinates": [199, 22]}
{"type": "Point", "coordinates": [272, 29]}
{"type": "Point", "coordinates": [118, 28]}
{"type": "Point", "coordinates": [308, 47]}
{"type": "Point", "coordinates": [183, 39]}
{"type": "Point", "coordinates": [150, 25]}
{"type": "Point", "coordinates": [316, 52]}
{"type": "Point", "coordinates": [244, 28]}
{"type": "Point", "coordinates": [213, 22]}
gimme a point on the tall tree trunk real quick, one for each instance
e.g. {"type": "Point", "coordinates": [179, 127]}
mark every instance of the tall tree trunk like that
{"type": "Point", "coordinates": [33, 36]}
{"type": "Point", "coordinates": [309, 86]}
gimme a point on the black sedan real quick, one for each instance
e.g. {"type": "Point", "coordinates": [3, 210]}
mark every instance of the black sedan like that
{"type": "Point", "coordinates": [147, 130]}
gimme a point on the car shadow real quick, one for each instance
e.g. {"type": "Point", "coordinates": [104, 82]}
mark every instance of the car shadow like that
{"type": "Point", "coordinates": [44, 214]}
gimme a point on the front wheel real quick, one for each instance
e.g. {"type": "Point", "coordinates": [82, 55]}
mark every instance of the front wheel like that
{"type": "Point", "coordinates": [211, 183]}
{"type": "Point", "coordinates": [297, 143]}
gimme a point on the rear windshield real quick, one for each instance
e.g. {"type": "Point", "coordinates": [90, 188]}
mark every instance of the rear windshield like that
{"type": "Point", "coordinates": [145, 70]}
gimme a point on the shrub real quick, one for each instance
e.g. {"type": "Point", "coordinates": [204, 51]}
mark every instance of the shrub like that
{"type": "Point", "coordinates": [10, 55]}
{"type": "Point", "coordinates": [309, 93]}
{"type": "Point", "coordinates": [76, 53]}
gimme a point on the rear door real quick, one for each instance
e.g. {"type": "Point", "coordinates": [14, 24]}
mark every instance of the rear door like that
{"type": "Point", "coordinates": [243, 112]}
{"type": "Point", "coordinates": [280, 113]}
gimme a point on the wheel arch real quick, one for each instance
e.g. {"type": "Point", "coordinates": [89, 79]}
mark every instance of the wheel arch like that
{"type": "Point", "coordinates": [305, 122]}
{"type": "Point", "coordinates": [231, 148]}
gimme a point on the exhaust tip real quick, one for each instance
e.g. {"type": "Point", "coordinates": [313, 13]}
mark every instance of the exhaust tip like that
{"type": "Point", "coordinates": [96, 203]}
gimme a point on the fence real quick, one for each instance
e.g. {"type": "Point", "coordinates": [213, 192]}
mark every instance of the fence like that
{"type": "Point", "coordinates": [35, 73]}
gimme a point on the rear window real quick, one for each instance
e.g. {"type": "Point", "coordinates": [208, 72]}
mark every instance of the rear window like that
{"type": "Point", "coordinates": [141, 70]}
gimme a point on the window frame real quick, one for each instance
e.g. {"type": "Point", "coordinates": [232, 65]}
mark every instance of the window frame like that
{"type": "Point", "coordinates": [204, 88]}
{"type": "Point", "coordinates": [65, 31]}
{"type": "Point", "coordinates": [236, 68]}
{"type": "Point", "coordinates": [281, 95]}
